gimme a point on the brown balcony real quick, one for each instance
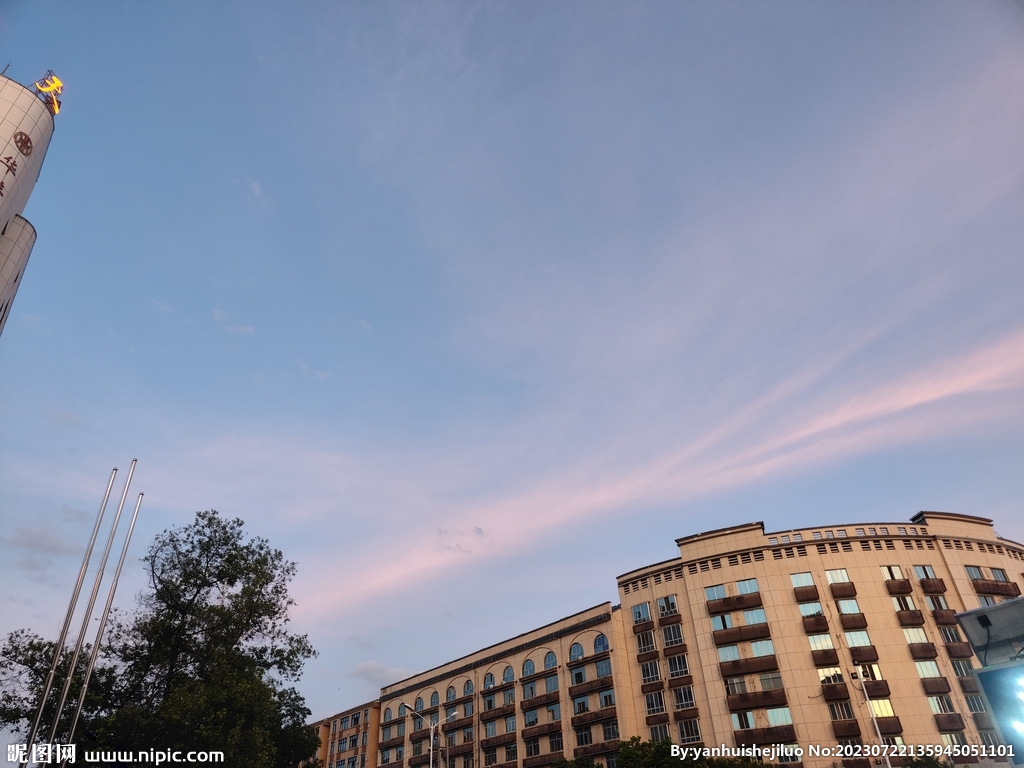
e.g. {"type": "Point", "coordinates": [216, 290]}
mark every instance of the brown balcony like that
{"type": "Point", "coordinates": [889, 726]}
{"type": "Point", "coordinates": [461, 749]}
{"type": "Point", "coordinates": [845, 729]}
{"type": "Point", "coordinates": [497, 741]}
{"type": "Point", "coordinates": [415, 760]}
{"type": "Point", "coordinates": [899, 586]}
{"type": "Point", "coordinates": [856, 762]}
{"type": "Point", "coordinates": [543, 729]}
{"type": "Point", "coordinates": [600, 748]}
{"type": "Point", "coordinates": [539, 760]}
{"type": "Point", "coordinates": [921, 651]}
{"type": "Point", "coordinates": [540, 701]}
{"type": "Point", "coordinates": [949, 722]}
{"type": "Point", "coordinates": [864, 654]}
{"type": "Point", "coordinates": [754, 699]}
{"type": "Point", "coordinates": [420, 735]}
{"type": "Point", "coordinates": [686, 714]}
{"type": "Point", "coordinates": [843, 589]}
{"type": "Point", "coordinates": [608, 713]}
{"type": "Point", "coordinates": [579, 690]}
{"type": "Point", "coordinates": [643, 626]}
{"type": "Point", "coordinates": [457, 725]}
{"type": "Point", "coordinates": [396, 764]}
{"type": "Point", "coordinates": [989, 587]}
{"type": "Point", "coordinates": [877, 689]}
{"type": "Point", "coordinates": [737, 634]}
{"type": "Point", "coordinates": [968, 684]}
{"type": "Point", "coordinates": [735, 603]}
{"type": "Point", "coordinates": [959, 650]}
{"type": "Point", "coordinates": [652, 687]}
{"type": "Point", "coordinates": [815, 625]}
{"type": "Point", "coordinates": [932, 586]}
{"type": "Point", "coordinates": [396, 742]}
{"type": "Point", "coordinates": [825, 658]}
{"type": "Point", "coordinates": [505, 711]}
{"type": "Point", "coordinates": [647, 656]}
{"type": "Point", "coordinates": [780, 734]}
{"type": "Point", "coordinates": [748, 666]}
{"type": "Point", "coordinates": [835, 691]}
{"type": "Point", "coordinates": [657, 719]}
{"type": "Point", "coordinates": [910, 618]}
{"type": "Point", "coordinates": [935, 685]}
{"type": "Point", "coordinates": [805, 594]}
{"type": "Point", "coordinates": [983, 720]}
{"type": "Point", "coordinates": [678, 682]}
{"type": "Point", "coordinates": [675, 618]}
{"type": "Point", "coordinates": [944, 616]}
{"type": "Point", "coordinates": [853, 620]}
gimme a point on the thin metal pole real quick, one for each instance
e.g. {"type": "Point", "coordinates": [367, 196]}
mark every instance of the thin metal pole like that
{"type": "Point", "coordinates": [103, 623]}
{"type": "Point", "coordinates": [92, 604]}
{"type": "Point", "coordinates": [874, 721]}
{"type": "Point", "coordinates": [71, 611]}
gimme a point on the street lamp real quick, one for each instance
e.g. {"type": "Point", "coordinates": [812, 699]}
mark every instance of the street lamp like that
{"type": "Point", "coordinates": [862, 684]}
{"type": "Point", "coordinates": [433, 726]}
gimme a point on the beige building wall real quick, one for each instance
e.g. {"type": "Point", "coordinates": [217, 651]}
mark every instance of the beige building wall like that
{"type": "Point", "coordinates": [349, 738]}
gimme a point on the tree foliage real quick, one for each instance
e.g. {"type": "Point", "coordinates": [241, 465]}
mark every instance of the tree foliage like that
{"type": "Point", "coordinates": [201, 664]}
{"type": "Point", "coordinates": [637, 753]}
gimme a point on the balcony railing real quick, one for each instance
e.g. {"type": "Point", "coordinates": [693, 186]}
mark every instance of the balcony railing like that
{"type": "Point", "coordinates": [539, 760]}
{"type": "Point", "coordinates": [864, 654]}
{"type": "Point", "coordinates": [737, 634]}
{"type": "Point", "coordinates": [910, 618]}
{"type": "Point", "coordinates": [734, 603]}
{"type": "Point", "coordinates": [843, 589]}
{"type": "Point", "coordinates": [935, 685]}
{"type": "Point", "coordinates": [991, 587]}
{"type": "Point", "coordinates": [805, 594]}
{"type": "Point", "coordinates": [877, 689]}
{"type": "Point", "coordinates": [835, 691]}
{"type": "Point", "coordinates": [983, 720]}
{"type": "Point", "coordinates": [845, 729]}
{"type": "Point", "coordinates": [968, 684]}
{"type": "Point", "coordinates": [944, 617]}
{"type": "Point", "coordinates": [889, 726]}
{"type": "Point", "coordinates": [899, 586]}
{"type": "Point", "coordinates": [608, 713]}
{"type": "Point", "coordinates": [922, 651]}
{"type": "Point", "coordinates": [949, 722]}
{"type": "Point", "coordinates": [932, 586]}
{"type": "Point", "coordinates": [815, 625]}
{"type": "Point", "coordinates": [748, 666]}
{"type": "Point", "coordinates": [825, 658]}
{"type": "Point", "coordinates": [596, 749]}
{"type": "Point", "coordinates": [853, 620]}
{"type": "Point", "coordinates": [754, 699]}
{"type": "Point", "coordinates": [959, 650]}
{"type": "Point", "coordinates": [779, 734]}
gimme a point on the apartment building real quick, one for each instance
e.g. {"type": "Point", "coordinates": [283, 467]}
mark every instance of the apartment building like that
{"type": "Point", "coordinates": [349, 739]}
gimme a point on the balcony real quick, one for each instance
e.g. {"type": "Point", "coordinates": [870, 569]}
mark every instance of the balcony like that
{"type": "Point", "coordinates": [815, 625]}
{"type": "Point", "coordinates": [735, 603]}
{"type": "Point", "coordinates": [608, 713]}
{"type": "Point", "coordinates": [959, 650]}
{"type": "Point", "coordinates": [539, 760]}
{"type": "Point", "coordinates": [657, 685]}
{"type": "Point", "coordinates": [461, 749]}
{"type": "Point", "coordinates": [391, 743]}
{"type": "Point", "coordinates": [539, 701]}
{"type": "Point", "coordinates": [678, 682]}
{"type": "Point", "coordinates": [989, 587]}
{"type": "Point", "coordinates": [843, 589]}
{"type": "Point", "coordinates": [910, 618]}
{"type": "Point", "coordinates": [748, 666]}
{"type": "Point", "coordinates": [863, 654]}
{"type": "Point", "coordinates": [949, 722]}
{"type": "Point", "coordinates": [933, 686]}
{"type": "Point", "coordinates": [944, 617]}
{"type": "Point", "coordinates": [846, 729]}
{"type": "Point", "coordinates": [737, 634]}
{"type": "Point", "coordinates": [420, 735]}
{"type": "Point", "coordinates": [805, 594]}
{"type": "Point", "coordinates": [497, 741]}
{"type": "Point", "coordinates": [853, 620]}
{"type": "Point", "coordinates": [415, 760]}
{"type": "Point", "coordinates": [647, 656]}
{"type": "Point", "coordinates": [596, 749]}
{"type": "Point", "coordinates": [899, 586]}
{"type": "Point", "coordinates": [457, 725]}
{"type": "Point", "coordinates": [968, 684]}
{"type": "Point", "coordinates": [877, 689]}
{"type": "Point", "coordinates": [835, 691]}
{"type": "Point", "coordinates": [825, 658]}
{"type": "Point", "coordinates": [657, 719]}
{"type": "Point", "coordinates": [674, 618]}
{"type": "Point", "coordinates": [983, 720]}
{"type": "Point", "coordinates": [503, 711]}
{"type": "Point", "coordinates": [686, 714]}
{"type": "Point", "coordinates": [754, 699]}
{"type": "Point", "coordinates": [932, 586]}
{"type": "Point", "coordinates": [643, 626]}
{"type": "Point", "coordinates": [922, 651]}
{"type": "Point", "coordinates": [542, 730]}
{"type": "Point", "coordinates": [780, 734]}
{"type": "Point", "coordinates": [578, 690]}
{"type": "Point", "coordinates": [889, 726]}
{"type": "Point", "coordinates": [856, 762]}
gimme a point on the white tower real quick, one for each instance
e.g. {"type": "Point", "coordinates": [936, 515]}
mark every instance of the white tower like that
{"type": "Point", "coordinates": [26, 125]}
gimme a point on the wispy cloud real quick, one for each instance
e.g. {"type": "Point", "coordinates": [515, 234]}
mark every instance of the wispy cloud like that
{"type": "Point", "coordinates": [378, 674]}
{"type": "Point", "coordinates": [225, 320]}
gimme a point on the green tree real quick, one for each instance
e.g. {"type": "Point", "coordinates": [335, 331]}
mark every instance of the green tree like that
{"type": "Point", "coordinates": [201, 664]}
{"type": "Point", "coordinates": [637, 753]}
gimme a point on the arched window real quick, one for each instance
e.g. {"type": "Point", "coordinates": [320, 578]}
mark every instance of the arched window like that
{"type": "Point", "coordinates": [550, 662]}
{"type": "Point", "coordinates": [509, 675]}
{"type": "Point", "coordinates": [450, 695]}
{"type": "Point", "coordinates": [401, 710]}
{"type": "Point", "coordinates": [387, 715]}
{"type": "Point", "coordinates": [600, 644]}
{"type": "Point", "coordinates": [467, 688]}
{"type": "Point", "coordinates": [528, 668]}
{"type": "Point", "coordinates": [419, 704]}
{"type": "Point", "coordinates": [575, 652]}
{"type": "Point", "coordinates": [434, 699]}
{"type": "Point", "coordinates": [488, 681]}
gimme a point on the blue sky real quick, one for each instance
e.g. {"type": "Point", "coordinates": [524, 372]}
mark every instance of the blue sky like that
{"type": "Point", "coordinates": [469, 308]}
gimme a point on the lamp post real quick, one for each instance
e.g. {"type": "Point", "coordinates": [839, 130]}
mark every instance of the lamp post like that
{"type": "Point", "coordinates": [433, 726]}
{"type": "Point", "coordinates": [862, 684]}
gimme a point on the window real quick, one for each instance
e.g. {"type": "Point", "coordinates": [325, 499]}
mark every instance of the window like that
{"type": "Point", "coordinates": [890, 572]}
{"type": "Point", "coordinates": [555, 742]}
{"type": "Point", "coordinates": [530, 717]}
{"type": "Point", "coordinates": [903, 603]}
{"type": "Point", "coordinates": [603, 668]}
{"type": "Point", "coordinates": [488, 702]}
{"type": "Point", "coordinates": [529, 690]}
{"type": "Point", "coordinates": [677, 665]}
{"type": "Point", "coordinates": [580, 705]}
{"type": "Point", "coordinates": [810, 609]}
{"type": "Point", "coordinates": [998, 574]}
{"type": "Point", "coordinates": [770, 681]}
{"type": "Point", "coordinates": [950, 634]}
{"type": "Point", "coordinates": [755, 616]}
{"type": "Point", "coordinates": [600, 644]}
{"type": "Point", "coordinates": [962, 667]}
{"type": "Point", "coordinates": [583, 736]}
{"type": "Point", "coordinates": [801, 579]}
{"type": "Point", "coordinates": [721, 622]}
{"type": "Point", "coordinates": [667, 605]}
{"type": "Point", "coordinates": [551, 683]}
{"type": "Point", "coordinates": [742, 721]}
{"type": "Point", "coordinates": [986, 600]}
{"type": "Point", "coordinates": [641, 613]}
{"type": "Point", "coordinates": [550, 662]}
{"type": "Point", "coordinates": [848, 606]}
{"type": "Point", "coordinates": [747, 586]}
{"type": "Point", "coordinates": [417, 747]}
{"type": "Point", "coordinates": [673, 635]}
{"type": "Point", "coordinates": [491, 756]}
{"type": "Point", "coordinates": [650, 671]}
{"type": "Point", "coordinates": [450, 695]}
{"type": "Point", "coordinates": [491, 729]}
{"type": "Point", "coordinates": [488, 683]}
{"type": "Point", "coordinates": [974, 572]}
{"type": "Point", "coordinates": [645, 642]}
{"type": "Point", "coordinates": [870, 672]}
{"type": "Point", "coordinates": [924, 572]}
{"type": "Point", "coordinates": [579, 675]}
{"type": "Point", "coordinates": [510, 724]}
{"type": "Point", "coordinates": [762, 648]}
{"type": "Point", "coordinates": [927, 669]}
{"type": "Point", "coordinates": [450, 713]}
{"type": "Point", "coordinates": [655, 703]}
{"type": "Point", "coordinates": [387, 715]}
{"type": "Point", "coordinates": [611, 730]}
{"type": "Point", "coordinates": [882, 708]}
{"type": "Point", "coordinates": [508, 675]}
{"type": "Point", "coordinates": [607, 698]}
{"type": "Point", "coordinates": [976, 704]}
{"type": "Point", "coordinates": [511, 752]}
{"type": "Point", "coordinates": [510, 695]}
{"type": "Point", "coordinates": [467, 735]}
{"type": "Point", "coordinates": [941, 705]}
{"type": "Point", "coordinates": [735, 685]}
{"type": "Point", "coordinates": [893, 741]}
{"type": "Point", "coordinates": [954, 739]}
{"type": "Point", "coordinates": [385, 756]}
{"type": "Point", "coordinates": [467, 708]}
{"type": "Point", "coordinates": [779, 716]}
{"type": "Point", "coordinates": [433, 718]}
{"type": "Point", "coordinates": [683, 696]}
{"type": "Point", "coordinates": [659, 733]}
{"type": "Point", "coordinates": [837, 576]}
{"type": "Point", "coordinates": [528, 668]}
{"type": "Point", "coordinates": [857, 639]}
{"type": "Point", "coordinates": [936, 602]}
{"type": "Point", "coordinates": [729, 653]}
{"type": "Point", "coordinates": [554, 713]}
{"type": "Point", "coordinates": [830, 675]}
{"type": "Point", "coordinates": [532, 747]}
{"type": "Point", "coordinates": [689, 731]}
{"type": "Point", "coordinates": [435, 699]}
{"type": "Point", "coordinates": [343, 744]}
{"type": "Point", "coordinates": [717, 592]}
{"type": "Point", "coordinates": [820, 642]}
{"type": "Point", "coordinates": [840, 710]}
{"type": "Point", "coordinates": [355, 719]}
{"type": "Point", "coordinates": [915, 635]}
{"type": "Point", "coordinates": [386, 735]}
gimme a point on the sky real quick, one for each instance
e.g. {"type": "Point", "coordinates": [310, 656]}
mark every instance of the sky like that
{"type": "Point", "coordinates": [470, 307]}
